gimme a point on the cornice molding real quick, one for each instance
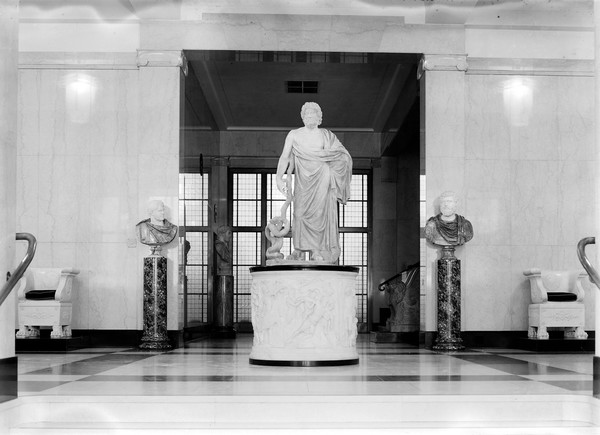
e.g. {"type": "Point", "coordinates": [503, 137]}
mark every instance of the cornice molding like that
{"type": "Point", "coordinates": [442, 62]}
{"type": "Point", "coordinates": [162, 58]}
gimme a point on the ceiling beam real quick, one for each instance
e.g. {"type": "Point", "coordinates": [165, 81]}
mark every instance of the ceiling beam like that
{"type": "Point", "coordinates": [208, 77]}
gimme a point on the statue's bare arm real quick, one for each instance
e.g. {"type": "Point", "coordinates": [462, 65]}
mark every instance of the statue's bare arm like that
{"type": "Point", "coordinates": [285, 164]}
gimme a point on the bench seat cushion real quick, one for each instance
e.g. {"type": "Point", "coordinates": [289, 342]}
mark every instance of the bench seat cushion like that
{"type": "Point", "coordinates": [561, 297]}
{"type": "Point", "coordinates": [40, 295]}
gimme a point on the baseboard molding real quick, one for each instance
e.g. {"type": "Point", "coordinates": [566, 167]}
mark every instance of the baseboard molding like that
{"type": "Point", "coordinates": [513, 340]}
{"type": "Point", "coordinates": [91, 338]}
{"type": "Point", "coordinates": [9, 376]}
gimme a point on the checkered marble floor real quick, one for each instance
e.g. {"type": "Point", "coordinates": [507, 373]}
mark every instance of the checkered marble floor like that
{"type": "Point", "coordinates": [215, 376]}
{"type": "Point", "coordinates": [220, 367]}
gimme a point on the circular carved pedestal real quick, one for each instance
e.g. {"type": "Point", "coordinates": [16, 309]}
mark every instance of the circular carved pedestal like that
{"type": "Point", "coordinates": [304, 315]}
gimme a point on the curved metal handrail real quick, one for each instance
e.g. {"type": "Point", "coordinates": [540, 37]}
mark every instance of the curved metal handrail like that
{"type": "Point", "coordinates": [585, 262]}
{"type": "Point", "coordinates": [21, 268]}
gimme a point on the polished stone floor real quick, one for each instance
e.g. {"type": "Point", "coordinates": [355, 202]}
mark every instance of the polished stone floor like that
{"type": "Point", "coordinates": [210, 368]}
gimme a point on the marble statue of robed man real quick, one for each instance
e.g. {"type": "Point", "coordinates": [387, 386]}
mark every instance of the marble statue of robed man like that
{"type": "Point", "coordinates": [448, 228]}
{"type": "Point", "coordinates": [323, 170]}
{"type": "Point", "coordinates": [156, 230]}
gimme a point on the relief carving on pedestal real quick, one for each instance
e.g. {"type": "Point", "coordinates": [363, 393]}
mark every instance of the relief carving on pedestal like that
{"type": "Point", "coordinates": [303, 314]}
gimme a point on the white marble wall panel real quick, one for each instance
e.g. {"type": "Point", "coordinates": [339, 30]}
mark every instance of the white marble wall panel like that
{"type": "Point", "coordinates": [64, 201]}
{"type": "Point", "coordinates": [533, 133]}
{"type": "Point", "coordinates": [113, 198]}
{"type": "Point", "coordinates": [487, 201]}
{"type": "Point", "coordinates": [576, 200]}
{"type": "Point", "coordinates": [114, 299]}
{"type": "Point", "coordinates": [575, 113]}
{"type": "Point", "coordinates": [529, 190]}
{"type": "Point", "coordinates": [487, 135]}
{"type": "Point", "coordinates": [443, 173]}
{"type": "Point", "coordinates": [534, 202]}
{"type": "Point", "coordinates": [29, 114]}
{"type": "Point", "coordinates": [484, 306]}
{"type": "Point", "coordinates": [27, 190]}
{"type": "Point", "coordinates": [445, 114]}
{"type": "Point", "coordinates": [115, 130]}
{"type": "Point", "coordinates": [159, 101]}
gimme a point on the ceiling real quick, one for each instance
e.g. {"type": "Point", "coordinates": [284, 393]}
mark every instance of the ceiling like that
{"type": "Point", "coordinates": [229, 90]}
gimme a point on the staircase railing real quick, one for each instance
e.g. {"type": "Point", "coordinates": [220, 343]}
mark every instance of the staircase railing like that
{"type": "Point", "coordinates": [21, 268]}
{"type": "Point", "coordinates": [585, 262]}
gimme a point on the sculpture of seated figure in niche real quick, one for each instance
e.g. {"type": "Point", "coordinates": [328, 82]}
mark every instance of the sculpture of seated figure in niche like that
{"type": "Point", "coordinates": [223, 250]}
{"type": "Point", "coordinates": [395, 291]}
{"type": "Point", "coordinates": [448, 228]}
{"type": "Point", "coordinates": [156, 231]}
{"type": "Point", "coordinates": [323, 170]}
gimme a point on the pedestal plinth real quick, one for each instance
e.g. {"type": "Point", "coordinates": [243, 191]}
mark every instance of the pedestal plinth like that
{"type": "Point", "coordinates": [304, 315]}
{"type": "Point", "coordinates": [223, 307]}
{"type": "Point", "coordinates": [448, 277]}
{"type": "Point", "coordinates": [155, 304]}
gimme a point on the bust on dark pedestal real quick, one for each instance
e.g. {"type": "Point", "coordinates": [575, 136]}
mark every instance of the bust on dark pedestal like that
{"type": "Point", "coordinates": [448, 229]}
{"type": "Point", "coordinates": [155, 232]}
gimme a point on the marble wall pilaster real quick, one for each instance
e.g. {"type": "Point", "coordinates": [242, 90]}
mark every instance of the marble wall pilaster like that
{"type": "Point", "coordinates": [9, 21]}
{"type": "Point", "coordinates": [442, 81]}
{"type": "Point", "coordinates": [160, 81]}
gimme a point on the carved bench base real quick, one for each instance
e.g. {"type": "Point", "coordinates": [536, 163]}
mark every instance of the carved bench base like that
{"type": "Point", "coordinates": [567, 315]}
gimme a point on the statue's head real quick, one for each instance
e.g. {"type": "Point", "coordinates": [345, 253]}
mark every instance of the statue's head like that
{"type": "Point", "coordinates": [156, 211]}
{"type": "Point", "coordinates": [224, 233]}
{"type": "Point", "coordinates": [311, 112]}
{"type": "Point", "coordinates": [448, 203]}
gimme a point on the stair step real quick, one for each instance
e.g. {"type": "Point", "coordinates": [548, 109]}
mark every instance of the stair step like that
{"type": "Point", "coordinates": [481, 414]}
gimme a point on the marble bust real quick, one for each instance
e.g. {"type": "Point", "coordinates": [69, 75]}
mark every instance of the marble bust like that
{"type": "Point", "coordinates": [448, 228]}
{"type": "Point", "coordinates": [322, 169]}
{"type": "Point", "coordinates": [156, 231]}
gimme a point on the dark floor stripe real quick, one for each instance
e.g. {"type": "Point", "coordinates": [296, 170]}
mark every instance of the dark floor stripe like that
{"type": "Point", "coordinates": [572, 385]}
{"type": "Point", "coordinates": [37, 386]}
{"type": "Point", "coordinates": [369, 378]}
{"type": "Point", "coordinates": [92, 366]}
{"type": "Point", "coordinates": [513, 366]}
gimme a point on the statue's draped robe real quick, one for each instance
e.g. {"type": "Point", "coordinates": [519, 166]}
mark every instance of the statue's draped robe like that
{"type": "Point", "coordinates": [156, 235]}
{"type": "Point", "coordinates": [456, 232]}
{"type": "Point", "coordinates": [322, 178]}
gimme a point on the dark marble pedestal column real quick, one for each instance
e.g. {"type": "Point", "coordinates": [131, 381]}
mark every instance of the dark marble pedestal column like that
{"type": "Point", "coordinates": [155, 304]}
{"type": "Point", "coordinates": [223, 307]}
{"type": "Point", "coordinates": [448, 277]}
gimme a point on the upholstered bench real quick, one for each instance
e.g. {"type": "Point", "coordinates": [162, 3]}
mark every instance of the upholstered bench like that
{"type": "Point", "coordinates": [44, 299]}
{"type": "Point", "coordinates": [557, 302]}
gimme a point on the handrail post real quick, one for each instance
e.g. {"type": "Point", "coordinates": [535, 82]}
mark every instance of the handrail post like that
{"type": "Point", "coordinates": [596, 366]}
{"type": "Point", "coordinates": [595, 278]}
{"type": "Point", "coordinates": [20, 270]}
